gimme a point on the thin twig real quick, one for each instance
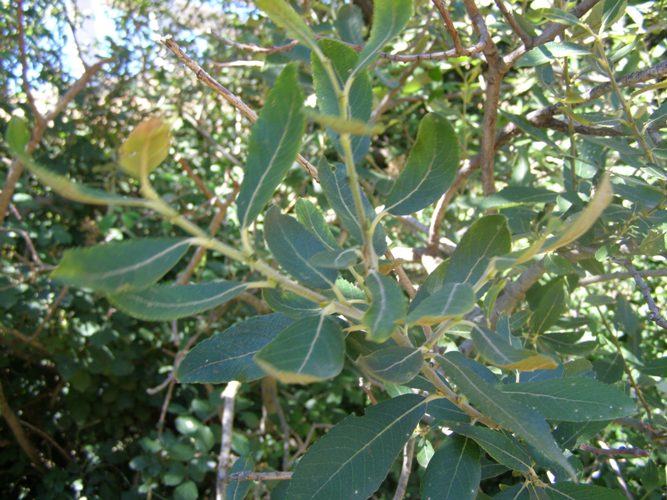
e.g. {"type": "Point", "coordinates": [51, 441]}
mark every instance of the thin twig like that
{"type": "Point", "coordinates": [614, 452]}
{"type": "Point", "coordinates": [49, 313]}
{"type": "Point", "coordinates": [406, 469]}
{"type": "Point", "coordinates": [654, 313]}
{"type": "Point", "coordinates": [649, 273]}
{"type": "Point", "coordinates": [259, 476]}
{"type": "Point", "coordinates": [251, 47]}
{"type": "Point", "coordinates": [226, 94]}
{"type": "Point", "coordinates": [227, 420]}
{"type": "Point", "coordinates": [449, 24]}
{"type": "Point", "coordinates": [516, 27]}
{"type": "Point", "coordinates": [48, 438]}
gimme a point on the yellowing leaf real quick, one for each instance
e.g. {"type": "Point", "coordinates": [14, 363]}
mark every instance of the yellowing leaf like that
{"type": "Point", "coordinates": [146, 147]}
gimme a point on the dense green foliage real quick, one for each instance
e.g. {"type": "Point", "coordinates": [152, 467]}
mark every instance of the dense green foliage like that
{"type": "Point", "coordinates": [385, 248]}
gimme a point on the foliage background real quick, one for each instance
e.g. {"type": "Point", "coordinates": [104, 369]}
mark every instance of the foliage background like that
{"type": "Point", "coordinates": [87, 382]}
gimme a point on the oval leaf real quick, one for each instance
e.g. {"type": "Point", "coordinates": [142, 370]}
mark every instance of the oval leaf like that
{"type": "Point", "coordinates": [388, 305]}
{"type": "Point", "coordinates": [451, 301]}
{"type": "Point", "coordinates": [453, 472]}
{"type": "Point", "coordinates": [165, 303]}
{"type": "Point", "coordinates": [310, 350]}
{"type": "Point", "coordinates": [430, 169]}
{"type": "Point", "coordinates": [293, 246]}
{"type": "Point", "coordinates": [313, 220]}
{"type": "Point", "coordinates": [336, 259]}
{"type": "Point", "coordinates": [502, 448]}
{"type": "Point", "coordinates": [290, 304]}
{"type": "Point", "coordinates": [145, 148]}
{"type": "Point", "coordinates": [395, 364]}
{"type": "Point", "coordinates": [572, 399]}
{"type": "Point", "coordinates": [286, 17]}
{"type": "Point", "coordinates": [488, 237]}
{"type": "Point", "coordinates": [228, 355]}
{"type": "Point", "coordinates": [120, 267]}
{"type": "Point", "coordinates": [525, 422]}
{"type": "Point", "coordinates": [355, 456]}
{"type": "Point", "coordinates": [274, 143]}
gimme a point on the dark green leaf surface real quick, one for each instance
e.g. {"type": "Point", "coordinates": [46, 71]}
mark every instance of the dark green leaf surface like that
{"type": "Point", "coordinates": [350, 24]}
{"type": "Point", "coordinates": [290, 304]}
{"type": "Point", "coordinates": [430, 168]}
{"type": "Point", "coordinates": [274, 143]}
{"type": "Point", "coordinates": [549, 309]}
{"type": "Point", "coordinates": [120, 267]}
{"type": "Point", "coordinates": [446, 412]}
{"type": "Point", "coordinates": [336, 259]}
{"type": "Point", "coordinates": [313, 220]}
{"type": "Point", "coordinates": [336, 188]}
{"type": "Point", "coordinates": [502, 448]}
{"type": "Point", "coordinates": [164, 303]}
{"type": "Point", "coordinates": [353, 459]}
{"type": "Point", "coordinates": [237, 490]}
{"type": "Point", "coordinates": [570, 491]}
{"type": "Point", "coordinates": [396, 364]}
{"type": "Point", "coordinates": [454, 471]}
{"type": "Point", "coordinates": [488, 237]}
{"type": "Point", "coordinates": [389, 18]}
{"type": "Point", "coordinates": [388, 305]}
{"type": "Point", "coordinates": [499, 352]}
{"type": "Point", "coordinates": [227, 356]}
{"type": "Point", "coordinates": [550, 51]}
{"type": "Point", "coordinates": [572, 399]}
{"type": "Point", "coordinates": [451, 301]}
{"type": "Point", "coordinates": [519, 195]}
{"type": "Point", "coordinates": [310, 350]}
{"type": "Point", "coordinates": [344, 59]}
{"type": "Point", "coordinates": [525, 422]}
{"type": "Point", "coordinates": [293, 245]}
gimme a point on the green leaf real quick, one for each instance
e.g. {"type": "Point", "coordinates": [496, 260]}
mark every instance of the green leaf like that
{"type": "Point", "coordinates": [313, 220]}
{"type": "Point", "coordinates": [389, 19]}
{"type": "Point", "coordinates": [531, 129]}
{"type": "Point", "coordinates": [499, 352]}
{"type": "Point", "coordinates": [343, 60]}
{"type": "Point", "coordinates": [388, 305]}
{"type": "Point", "coordinates": [430, 169]}
{"type": "Point", "coordinates": [293, 245]}
{"type": "Point", "coordinates": [502, 448]}
{"type": "Point", "coordinates": [237, 490]}
{"type": "Point", "coordinates": [512, 196]}
{"type": "Point", "coordinates": [282, 13]}
{"type": "Point", "coordinates": [353, 459]}
{"type": "Point", "coordinates": [446, 412]}
{"type": "Point", "coordinates": [145, 148]}
{"type": "Point", "coordinates": [350, 126]}
{"type": "Point", "coordinates": [454, 471]}
{"type": "Point", "coordinates": [337, 190]}
{"type": "Point", "coordinates": [18, 134]}
{"type": "Point", "coordinates": [186, 491]}
{"type": "Point", "coordinates": [568, 491]}
{"type": "Point", "coordinates": [165, 303]}
{"type": "Point", "coordinates": [350, 24]}
{"type": "Point", "coordinates": [73, 191]}
{"type": "Point", "coordinates": [290, 304]}
{"type": "Point", "coordinates": [525, 422]}
{"type": "Point", "coordinates": [549, 308]}
{"type": "Point", "coordinates": [451, 301]}
{"type": "Point", "coordinates": [585, 219]}
{"type": "Point", "coordinates": [572, 399]}
{"type": "Point", "coordinates": [120, 267]}
{"type": "Point", "coordinates": [549, 52]}
{"type": "Point", "coordinates": [227, 356]}
{"type": "Point", "coordinates": [395, 364]}
{"type": "Point", "coordinates": [274, 143]}
{"type": "Point", "coordinates": [336, 259]}
{"type": "Point", "coordinates": [488, 237]}
{"type": "Point", "coordinates": [310, 350]}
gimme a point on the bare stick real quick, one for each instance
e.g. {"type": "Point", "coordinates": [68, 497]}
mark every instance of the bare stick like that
{"type": "Point", "coordinates": [516, 27]}
{"type": "Point", "coordinates": [259, 476]}
{"type": "Point", "coordinates": [17, 429]}
{"type": "Point", "coordinates": [251, 47]}
{"type": "Point", "coordinates": [614, 452]}
{"type": "Point", "coordinates": [406, 468]}
{"type": "Point", "coordinates": [654, 313]}
{"type": "Point", "coordinates": [229, 398]}
{"type": "Point", "coordinates": [590, 280]}
{"type": "Point", "coordinates": [449, 24]}
{"type": "Point", "coordinates": [226, 94]}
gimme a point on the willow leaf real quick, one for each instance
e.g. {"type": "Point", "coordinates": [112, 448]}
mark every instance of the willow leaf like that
{"type": "Point", "coordinates": [310, 350]}
{"type": "Point", "coordinates": [454, 471]}
{"type": "Point", "coordinates": [499, 352]}
{"type": "Point", "coordinates": [165, 303]}
{"type": "Point", "coordinates": [120, 267]}
{"type": "Point", "coordinates": [282, 13]}
{"type": "Point", "coordinates": [502, 448]}
{"type": "Point", "coordinates": [228, 355]}
{"type": "Point", "coordinates": [395, 364]}
{"type": "Point", "coordinates": [523, 421]}
{"type": "Point", "coordinates": [388, 305]}
{"type": "Point", "coordinates": [274, 143]}
{"type": "Point", "coordinates": [430, 169]}
{"type": "Point", "coordinates": [313, 220]}
{"type": "Point", "coordinates": [293, 246]}
{"type": "Point", "coordinates": [353, 459]}
{"type": "Point", "coordinates": [451, 301]}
